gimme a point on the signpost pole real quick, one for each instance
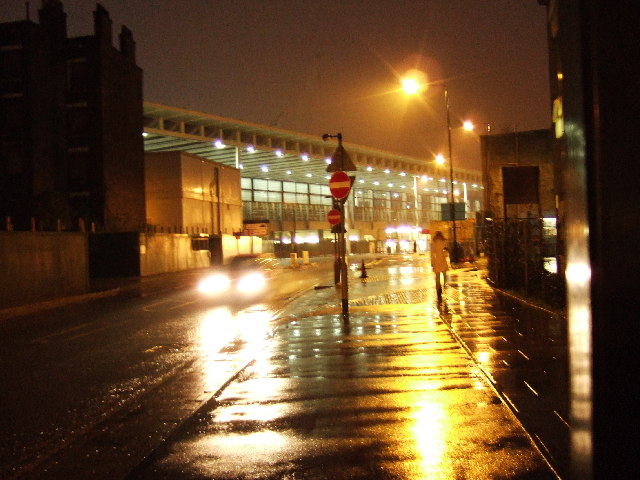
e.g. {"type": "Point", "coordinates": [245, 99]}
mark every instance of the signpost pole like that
{"type": "Point", "coordinates": [343, 266]}
{"type": "Point", "coordinates": [340, 186]}
{"type": "Point", "coordinates": [334, 217]}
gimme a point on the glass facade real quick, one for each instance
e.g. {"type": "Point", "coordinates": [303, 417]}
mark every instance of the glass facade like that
{"type": "Point", "coordinates": [282, 200]}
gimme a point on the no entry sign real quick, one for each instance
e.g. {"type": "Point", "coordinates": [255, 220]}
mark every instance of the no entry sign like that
{"type": "Point", "coordinates": [334, 216]}
{"type": "Point", "coordinates": [340, 185]}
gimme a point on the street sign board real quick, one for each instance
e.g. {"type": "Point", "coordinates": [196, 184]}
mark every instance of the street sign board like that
{"type": "Point", "coordinates": [334, 216]}
{"type": "Point", "coordinates": [445, 211]}
{"type": "Point", "coordinates": [340, 185]}
{"type": "Point", "coordinates": [340, 160]}
{"type": "Point", "coordinates": [258, 229]}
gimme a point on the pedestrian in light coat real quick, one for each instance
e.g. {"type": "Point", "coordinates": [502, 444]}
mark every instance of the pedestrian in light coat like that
{"type": "Point", "coordinates": [439, 262]}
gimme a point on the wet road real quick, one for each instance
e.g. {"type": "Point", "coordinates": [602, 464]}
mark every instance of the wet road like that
{"type": "Point", "coordinates": [94, 386]}
{"type": "Point", "coordinates": [405, 390]}
{"type": "Point", "coordinates": [390, 394]}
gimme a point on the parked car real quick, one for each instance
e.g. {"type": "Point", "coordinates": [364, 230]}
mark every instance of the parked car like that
{"type": "Point", "coordinates": [245, 277]}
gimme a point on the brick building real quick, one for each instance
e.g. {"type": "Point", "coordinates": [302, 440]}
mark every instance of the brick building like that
{"type": "Point", "coordinates": [71, 150]}
{"type": "Point", "coordinates": [519, 174]}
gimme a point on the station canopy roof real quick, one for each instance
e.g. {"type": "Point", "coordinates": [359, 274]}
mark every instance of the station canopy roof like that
{"type": "Point", "coordinates": [271, 153]}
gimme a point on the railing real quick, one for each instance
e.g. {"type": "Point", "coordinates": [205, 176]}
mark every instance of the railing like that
{"type": "Point", "coordinates": [289, 212]}
{"type": "Point", "coordinates": [321, 248]}
{"type": "Point", "coordinates": [33, 224]}
{"type": "Point", "coordinates": [516, 250]}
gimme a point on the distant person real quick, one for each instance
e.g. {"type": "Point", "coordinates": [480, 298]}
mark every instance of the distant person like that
{"type": "Point", "coordinates": [439, 263]}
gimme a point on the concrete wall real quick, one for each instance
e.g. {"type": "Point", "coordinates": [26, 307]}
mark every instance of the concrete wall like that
{"type": "Point", "coordinates": [232, 246]}
{"type": "Point", "coordinates": [42, 265]}
{"type": "Point", "coordinates": [114, 254]}
{"type": "Point", "coordinates": [164, 252]}
{"type": "Point", "coordinates": [191, 194]}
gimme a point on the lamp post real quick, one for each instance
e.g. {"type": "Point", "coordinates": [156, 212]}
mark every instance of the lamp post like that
{"type": "Point", "coordinates": [412, 86]}
{"type": "Point", "coordinates": [452, 207]}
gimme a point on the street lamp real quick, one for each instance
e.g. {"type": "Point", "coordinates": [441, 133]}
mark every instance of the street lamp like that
{"type": "Point", "coordinates": [452, 205]}
{"type": "Point", "coordinates": [412, 86]}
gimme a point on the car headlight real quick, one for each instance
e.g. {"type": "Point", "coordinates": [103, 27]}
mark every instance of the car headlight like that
{"type": "Point", "coordinates": [251, 283]}
{"type": "Point", "coordinates": [214, 284]}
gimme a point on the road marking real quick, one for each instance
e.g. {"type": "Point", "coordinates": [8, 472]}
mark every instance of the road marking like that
{"type": "Point", "coordinates": [513, 406]}
{"type": "Point", "coordinates": [185, 304]}
{"type": "Point", "coordinates": [148, 308]}
{"type": "Point", "coordinates": [46, 338]}
{"type": "Point", "coordinates": [561, 419]}
{"type": "Point", "coordinates": [531, 388]}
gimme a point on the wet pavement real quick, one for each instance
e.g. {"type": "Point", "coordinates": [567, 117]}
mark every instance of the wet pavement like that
{"type": "Point", "coordinates": [402, 388]}
{"type": "Point", "coordinates": [92, 384]}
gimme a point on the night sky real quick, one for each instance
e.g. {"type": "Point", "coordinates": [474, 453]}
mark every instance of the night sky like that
{"type": "Point", "coordinates": [328, 66]}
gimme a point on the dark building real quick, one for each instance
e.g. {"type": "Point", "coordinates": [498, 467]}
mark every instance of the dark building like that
{"type": "Point", "coordinates": [70, 125]}
{"type": "Point", "coordinates": [593, 76]}
{"type": "Point", "coordinates": [518, 172]}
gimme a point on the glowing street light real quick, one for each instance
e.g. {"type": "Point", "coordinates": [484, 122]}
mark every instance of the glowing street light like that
{"type": "Point", "coordinates": [411, 86]}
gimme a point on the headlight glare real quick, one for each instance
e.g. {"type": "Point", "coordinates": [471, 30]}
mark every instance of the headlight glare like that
{"type": "Point", "coordinates": [214, 284]}
{"type": "Point", "coordinates": [251, 283]}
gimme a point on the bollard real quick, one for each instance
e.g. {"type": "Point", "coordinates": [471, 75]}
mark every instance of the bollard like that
{"type": "Point", "coordinates": [363, 271]}
{"type": "Point", "coordinates": [336, 271]}
{"type": "Point", "coordinates": [294, 259]}
{"type": "Point", "coordinates": [305, 257]}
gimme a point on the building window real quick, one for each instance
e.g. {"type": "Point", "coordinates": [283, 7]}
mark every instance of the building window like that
{"type": "Point", "coordinates": [12, 164]}
{"type": "Point", "coordinates": [260, 196]}
{"type": "Point", "coordinates": [78, 171]}
{"type": "Point", "coordinates": [78, 121]}
{"type": "Point", "coordinates": [259, 184]}
{"type": "Point", "coordinates": [11, 61]}
{"type": "Point", "coordinates": [77, 76]}
{"type": "Point", "coordinates": [319, 189]}
{"type": "Point", "coordinates": [13, 115]}
{"type": "Point", "coordinates": [275, 197]}
{"type": "Point", "coordinates": [320, 200]}
{"type": "Point", "coordinates": [275, 186]}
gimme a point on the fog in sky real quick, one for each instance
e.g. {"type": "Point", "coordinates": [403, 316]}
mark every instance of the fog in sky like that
{"type": "Point", "coordinates": [328, 66]}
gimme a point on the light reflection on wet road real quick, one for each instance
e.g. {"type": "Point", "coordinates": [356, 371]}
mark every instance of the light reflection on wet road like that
{"type": "Point", "coordinates": [393, 395]}
{"type": "Point", "coordinates": [90, 389]}
{"type": "Point", "coordinates": [390, 395]}
{"type": "Point", "coordinates": [231, 337]}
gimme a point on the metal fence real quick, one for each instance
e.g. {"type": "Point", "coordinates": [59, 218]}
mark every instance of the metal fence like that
{"type": "Point", "coordinates": [517, 252]}
{"type": "Point", "coordinates": [309, 212]}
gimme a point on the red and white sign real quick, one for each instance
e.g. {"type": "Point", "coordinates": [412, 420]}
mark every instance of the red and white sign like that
{"type": "Point", "coordinates": [334, 216]}
{"type": "Point", "coordinates": [340, 185]}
